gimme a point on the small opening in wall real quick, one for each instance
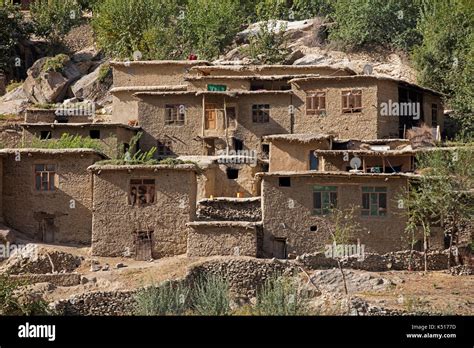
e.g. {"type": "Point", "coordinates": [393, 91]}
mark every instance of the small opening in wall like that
{"type": "Point", "coordinates": [284, 181]}
{"type": "Point", "coordinates": [94, 134]}
{"type": "Point", "coordinates": [313, 228]}
{"type": "Point", "coordinates": [232, 173]}
{"type": "Point", "coordinates": [265, 167]}
{"type": "Point", "coordinates": [44, 135]}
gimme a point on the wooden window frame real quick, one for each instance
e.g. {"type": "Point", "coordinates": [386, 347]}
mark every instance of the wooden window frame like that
{"type": "Point", "coordinates": [175, 115]}
{"type": "Point", "coordinates": [315, 102]}
{"type": "Point", "coordinates": [45, 173]}
{"type": "Point", "coordinates": [331, 191]}
{"type": "Point", "coordinates": [351, 101]}
{"type": "Point", "coordinates": [371, 195]}
{"type": "Point", "coordinates": [149, 194]}
{"type": "Point", "coordinates": [261, 113]}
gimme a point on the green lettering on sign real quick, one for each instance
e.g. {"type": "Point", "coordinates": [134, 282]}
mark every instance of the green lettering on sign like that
{"type": "Point", "coordinates": [216, 88]}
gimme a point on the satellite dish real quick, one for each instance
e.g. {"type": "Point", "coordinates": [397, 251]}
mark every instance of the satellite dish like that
{"type": "Point", "coordinates": [368, 69]}
{"type": "Point", "coordinates": [137, 55]}
{"type": "Point", "coordinates": [355, 163]}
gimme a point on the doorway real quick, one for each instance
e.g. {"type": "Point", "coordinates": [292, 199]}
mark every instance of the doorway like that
{"type": "Point", "coordinates": [279, 248]}
{"type": "Point", "coordinates": [143, 241]}
{"type": "Point", "coordinates": [210, 116]}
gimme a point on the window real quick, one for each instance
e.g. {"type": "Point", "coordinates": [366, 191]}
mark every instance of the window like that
{"type": "Point", "coordinates": [352, 101]}
{"type": "Point", "coordinates": [238, 144]}
{"type": "Point", "coordinates": [94, 134]}
{"type": "Point", "coordinates": [232, 173]}
{"type": "Point", "coordinates": [284, 181]}
{"type": "Point", "coordinates": [45, 176]}
{"type": "Point", "coordinates": [324, 199]}
{"type": "Point", "coordinates": [174, 115]}
{"type": "Point", "coordinates": [261, 113]}
{"type": "Point", "coordinates": [163, 148]}
{"type": "Point", "coordinates": [313, 228]}
{"type": "Point", "coordinates": [142, 192]}
{"type": "Point", "coordinates": [315, 103]}
{"type": "Point", "coordinates": [265, 150]}
{"type": "Point", "coordinates": [434, 115]}
{"type": "Point", "coordinates": [374, 201]}
{"type": "Point", "coordinates": [45, 135]}
{"type": "Point", "coordinates": [313, 161]}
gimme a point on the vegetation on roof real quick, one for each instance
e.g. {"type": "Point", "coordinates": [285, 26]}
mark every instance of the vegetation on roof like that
{"type": "Point", "coordinates": [66, 141]}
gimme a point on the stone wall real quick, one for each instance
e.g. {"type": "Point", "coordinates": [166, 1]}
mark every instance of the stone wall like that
{"type": "Point", "coordinates": [10, 136]}
{"type": "Point", "coordinates": [60, 279]}
{"type": "Point", "coordinates": [230, 209]}
{"type": "Point", "coordinates": [227, 238]}
{"type": "Point", "coordinates": [393, 261]}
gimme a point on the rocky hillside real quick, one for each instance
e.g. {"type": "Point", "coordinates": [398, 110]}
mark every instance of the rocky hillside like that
{"type": "Point", "coordinates": [84, 75]}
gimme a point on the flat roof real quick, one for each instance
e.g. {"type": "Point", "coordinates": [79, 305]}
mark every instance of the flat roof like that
{"type": "Point", "coordinates": [149, 167]}
{"type": "Point", "coordinates": [246, 77]}
{"type": "Point", "coordinates": [367, 77]}
{"type": "Point", "coordinates": [232, 93]}
{"type": "Point", "coordinates": [257, 68]}
{"type": "Point", "coordinates": [314, 173]}
{"type": "Point", "coordinates": [148, 88]}
{"type": "Point", "coordinates": [78, 125]}
{"type": "Point", "coordinates": [159, 62]}
{"type": "Point", "coordinates": [303, 138]}
{"type": "Point", "coordinates": [244, 224]}
{"type": "Point", "coordinates": [80, 151]}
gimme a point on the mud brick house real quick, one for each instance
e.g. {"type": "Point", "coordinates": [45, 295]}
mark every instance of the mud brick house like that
{"type": "Point", "coordinates": [47, 194]}
{"type": "Point", "coordinates": [142, 210]}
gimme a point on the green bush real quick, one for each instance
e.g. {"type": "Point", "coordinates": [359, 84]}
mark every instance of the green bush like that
{"type": "Point", "coordinates": [13, 85]}
{"type": "Point", "coordinates": [104, 72]}
{"type": "Point", "coordinates": [211, 296]}
{"type": "Point", "coordinates": [123, 27]}
{"type": "Point", "coordinates": [67, 141]}
{"type": "Point", "coordinates": [362, 23]}
{"type": "Point", "coordinates": [269, 45]}
{"type": "Point", "coordinates": [13, 30]}
{"type": "Point", "coordinates": [166, 299]}
{"type": "Point", "coordinates": [52, 19]}
{"type": "Point", "coordinates": [209, 26]}
{"type": "Point", "coordinates": [55, 63]}
{"type": "Point", "coordinates": [280, 296]}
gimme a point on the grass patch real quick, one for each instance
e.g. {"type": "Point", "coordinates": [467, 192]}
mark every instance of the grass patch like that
{"type": "Point", "coordinates": [9, 117]}
{"type": "Point", "coordinates": [44, 106]}
{"type": "Point", "coordinates": [166, 299]}
{"type": "Point", "coordinates": [279, 295]}
{"type": "Point", "coordinates": [211, 296]}
{"type": "Point", "coordinates": [13, 85]}
{"type": "Point", "coordinates": [55, 63]}
{"type": "Point", "coordinates": [104, 71]}
{"type": "Point", "coordinates": [66, 141]}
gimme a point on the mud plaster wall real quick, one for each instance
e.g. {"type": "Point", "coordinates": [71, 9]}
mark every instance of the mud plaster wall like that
{"type": "Point", "coordinates": [293, 156]}
{"type": "Point", "coordinates": [152, 121]}
{"type": "Point", "coordinates": [387, 125]}
{"type": "Point", "coordinates": [124, 107]}
{"type": "Point", "coordinates": [110, 138]}
{"type": "Point", "coordinates": [345, 125]}
{"type": "Point", "coordinates": [229, 240]}
{"type": "Point", "coordinates": [10, 136]}
{"type": "Point", "coordinates": [114, 220]}
{"type": "Point", "coordinates": [237, 84]}
{"type": "Point", "coordinates": [379, 234]}
{"type": "Point", "coordinates": [25, 208]}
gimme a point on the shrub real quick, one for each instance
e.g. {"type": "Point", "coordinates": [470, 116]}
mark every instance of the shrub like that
{"type": "Point", "coordinates": [166, 299]}
{"type": "Point", "coordinates": [211, 296]}
{"type": "Point", "coordinates": [13, 85]}
{"type": "Point", "coordinates": [280, 296]}
{"type": "Point", "coordinates": [52, 19]}
{"type": "Point", "coordinates": [269, 45]}
{"type": "Point", "coordinates": [209, 26]}
{"type": "Point", "coordinates": [125, 26]}
{"type": "Point", "coordinates": [67, 141]}
{"type": "Point", "coordinates": [104, 72]}
{"type": "Point", "coordinates": [55, 63]}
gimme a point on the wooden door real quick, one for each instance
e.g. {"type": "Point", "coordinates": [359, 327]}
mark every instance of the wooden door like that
{"type": "Point", "coordinates": [279, 248]}
{"type": "Point", "coordinates": [211, 116]}
{"type": "Point", "coordinates": [47, 230]}
{"type": "Point", "coordinates": [143, 245]}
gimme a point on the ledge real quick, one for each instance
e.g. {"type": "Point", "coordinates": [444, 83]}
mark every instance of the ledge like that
{"type": "Point", "coordinates": [244, 224]}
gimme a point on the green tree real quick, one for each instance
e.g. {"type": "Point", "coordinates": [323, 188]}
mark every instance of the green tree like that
{"type": "Point", "coordinates": [269, 45]}
{"type": "Point", "coordinates": [361, 23]}
{"type": "Point", "coordinates": [445, 58]}
{"type": "Point", "coordinates": [293, 9]}
{"type": "Point", "coordinates": [12, 31]}
{"type": "Point", "coordinates": [123, 27]}
{"type": "Point", "coordinates": [52, 19]}
{"type": "Point", "coordinates": [209, 26]}
{"type": "Point", "coordinates": [439, 194]}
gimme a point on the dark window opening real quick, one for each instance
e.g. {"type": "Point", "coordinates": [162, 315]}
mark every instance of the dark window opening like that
{"type": "Point", "coordinates": [313, 161]}
{"type": "Point", "coordinates": [232, 173]}
{"type": "Point", "coordinates": [324, 199]}
{"type": "Point", "coordinates": [142, 192]}
{"type": "Point", "coordinates": [45, 135]}
{"type": "Point", "coordinates": [164, 148]}
{"type": "Point", "coordinates": [434, 115]}
{"type": "Point", "coordinates": [265, 168]}
{"type": "Point", "coordinates": [126, 147]}
{"type": "Point", "coordinates": [256, 86]}
{"type": "Point", "coordinates": [374, 201]}
{"type": "Point", "coordinates": [313, 228]}
{"type": "Point", "coordinates": [261, 113]}
{"type": "Point", "coordinates": [94, 133]}
{"type": "Point", "coordinates": [265, 150]}
{"type": "Point", "coordinates": [284, 181]}
{"type": "Point", "coordinates": [238, 144]}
